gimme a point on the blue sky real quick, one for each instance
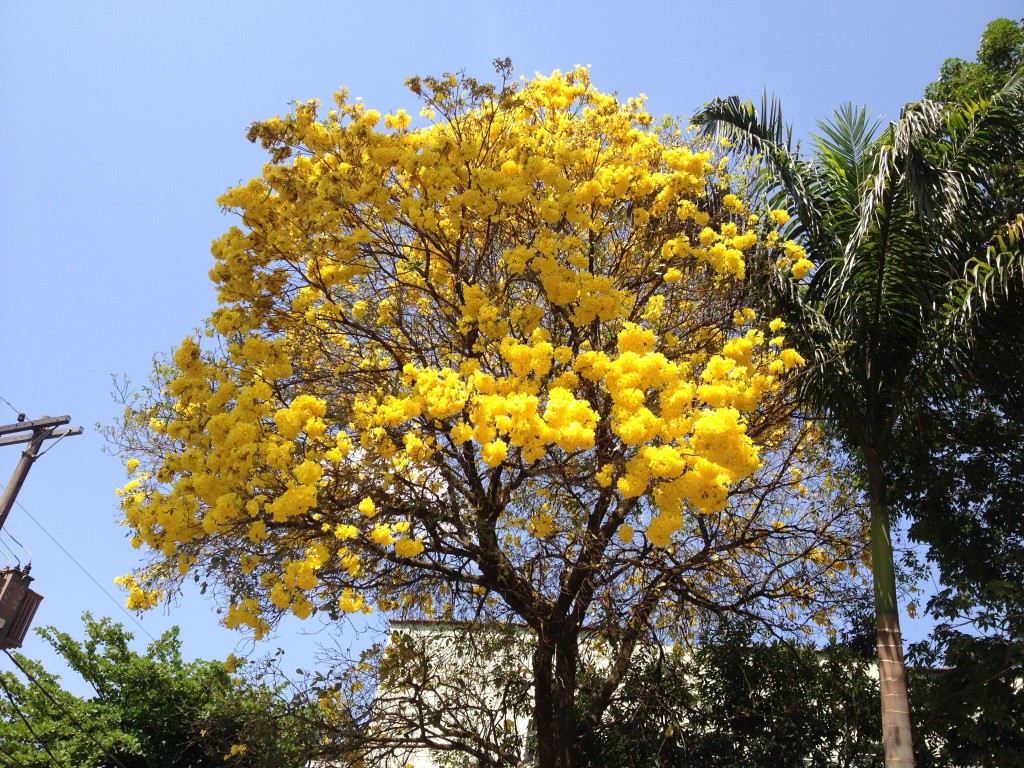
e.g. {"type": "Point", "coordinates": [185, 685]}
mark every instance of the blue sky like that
{"type": "Point", "coordinates": [121, 122]}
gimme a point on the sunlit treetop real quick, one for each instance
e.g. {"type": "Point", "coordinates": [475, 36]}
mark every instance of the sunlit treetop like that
{"type": "Point", "coordinates": [496, 356]}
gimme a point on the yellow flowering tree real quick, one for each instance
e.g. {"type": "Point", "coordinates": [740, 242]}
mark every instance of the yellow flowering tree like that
{"type": "Point", "coordinates": [496, 370]}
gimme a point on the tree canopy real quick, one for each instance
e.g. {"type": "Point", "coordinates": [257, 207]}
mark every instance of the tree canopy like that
{"type": "Point", "coordinates": [1000, 54]}
{"type": "Point", "coordinates": [498, 368]}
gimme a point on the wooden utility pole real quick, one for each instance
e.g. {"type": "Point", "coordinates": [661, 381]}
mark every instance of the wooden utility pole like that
{"type": "Point", "coordinates": [41, 430]}
{"type": "Point", "coordinates": [18, 603]}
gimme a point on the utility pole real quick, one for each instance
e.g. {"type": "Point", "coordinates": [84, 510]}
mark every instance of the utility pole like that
{"type": "Point", "coordinates": [41, 430]}
{"type": "Point", "coordinates": [18, 603]}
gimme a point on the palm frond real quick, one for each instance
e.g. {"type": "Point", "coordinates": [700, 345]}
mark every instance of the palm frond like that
{"type": "Point", "coordinates": [845, 144]}
{"type": "Point", "coordinates": [898, 160]}
{"type": "Point", "coordinates": [987, 277]}
{"type": "Point", "coordinates": [756, 131]}
{"type": "Point", "coordinates": [986, 255]}
{"type": "Point", "coordinates": [845, 163]}
{"type": "Point", "coordinates": [763, 133]}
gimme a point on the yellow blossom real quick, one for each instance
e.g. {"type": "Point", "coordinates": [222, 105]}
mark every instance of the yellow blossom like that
{"type": "Point", "coordinates": [448, 362]}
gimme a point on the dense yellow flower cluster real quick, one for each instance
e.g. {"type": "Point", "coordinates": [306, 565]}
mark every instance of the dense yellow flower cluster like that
{"type": "Point", "coordinates": [422, 328]}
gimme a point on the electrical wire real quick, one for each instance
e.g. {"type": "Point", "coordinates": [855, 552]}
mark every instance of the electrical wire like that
{"type": "Point", "coordinates": [78, 725]}
{"type": "Point", "coordinates": [24, 719]}
{"type": "Point", "coordinates": [20, 414]}
{"type": "Point", "coordinates": [11, 760]}
{"type": "Point", "coordinates": [8, 759]}
{"type": "Point", "coordinates": [9, 554]}
{"type": "Point", "coordinates": [12, 558]}
{"type": "Point", "coordinates": [119, 604]}
{"type": "Point", "coordinates": [28, 551]}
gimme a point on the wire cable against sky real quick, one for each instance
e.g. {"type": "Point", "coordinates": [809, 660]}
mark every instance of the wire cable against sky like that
{"type": "Point", "coordinates": [28, 552]}
{"type": "Point", "coordinates": [119, 604]}
{"type": "Point", "coordinates": [50, 447]}
{"type": "Point", "coordinates": [20, 414]}
{"type": "Point", "coordinates": [12, 557]}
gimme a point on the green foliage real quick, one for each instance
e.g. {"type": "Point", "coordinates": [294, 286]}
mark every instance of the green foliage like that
{"type": "Point", "coordinates": [1001, 53]}
{"type": "Point", "coordinates": [147, 711]}
{"type": "Point", "coordinates": [998, 196]}
{"type": "Point", "coordinates": [736, 703]}
{"type": "Point", "coordinates": [971, 712]}
{"type": "Point", "coordinates": [962, 476]}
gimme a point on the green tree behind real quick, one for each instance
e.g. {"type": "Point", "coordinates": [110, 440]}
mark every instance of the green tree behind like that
{"type": "Point", "coordinates": [959, 469]}
{"type": "Point", "coordinates": [902, 227]}
{"type": "Point", "coordinates": [151, 710]}
{"type": "Point", "coordinates": [1001, 54]}
{"type": "Point", "coordinates": [736, 702]}
{"type": "Point", "coordinates": [962, 461]}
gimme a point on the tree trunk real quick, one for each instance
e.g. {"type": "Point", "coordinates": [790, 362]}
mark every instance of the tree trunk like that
{"type": "Point", "coordinates": [554, 679]}
{"type": "Point", "coordinates": [892, 673]}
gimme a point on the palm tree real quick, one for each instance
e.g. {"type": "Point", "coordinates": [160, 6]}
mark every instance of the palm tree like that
{"type": "Point", "coordinates": [892, 222]}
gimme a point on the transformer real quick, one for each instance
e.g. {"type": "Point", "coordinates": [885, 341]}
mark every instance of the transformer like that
{"type": "Point", "coordinates": [18, 606]}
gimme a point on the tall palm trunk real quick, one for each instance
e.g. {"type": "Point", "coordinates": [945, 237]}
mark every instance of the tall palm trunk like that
{"type": "Point", "coordinates": [892, 673]}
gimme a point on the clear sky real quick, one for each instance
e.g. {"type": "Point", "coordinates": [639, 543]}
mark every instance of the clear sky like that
{"type": "Point", "coordinates": [121, 122]}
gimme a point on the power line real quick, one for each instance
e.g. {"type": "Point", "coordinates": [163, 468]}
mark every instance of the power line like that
{"type": "Point", "coordinates": [120, 605]}
{"type": "Point", "coordinates": [11, 760]}
{"type": "Point", "coordinates": [13, 538]}
{"type": "Point", "coordinates": [24, 719]}
{"type": "Point", "coordinates": [47, 425]}
{"type": "Point", "coordinates": [19, 413]}
{"type": "Point", "coordinates": [59, 706]}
